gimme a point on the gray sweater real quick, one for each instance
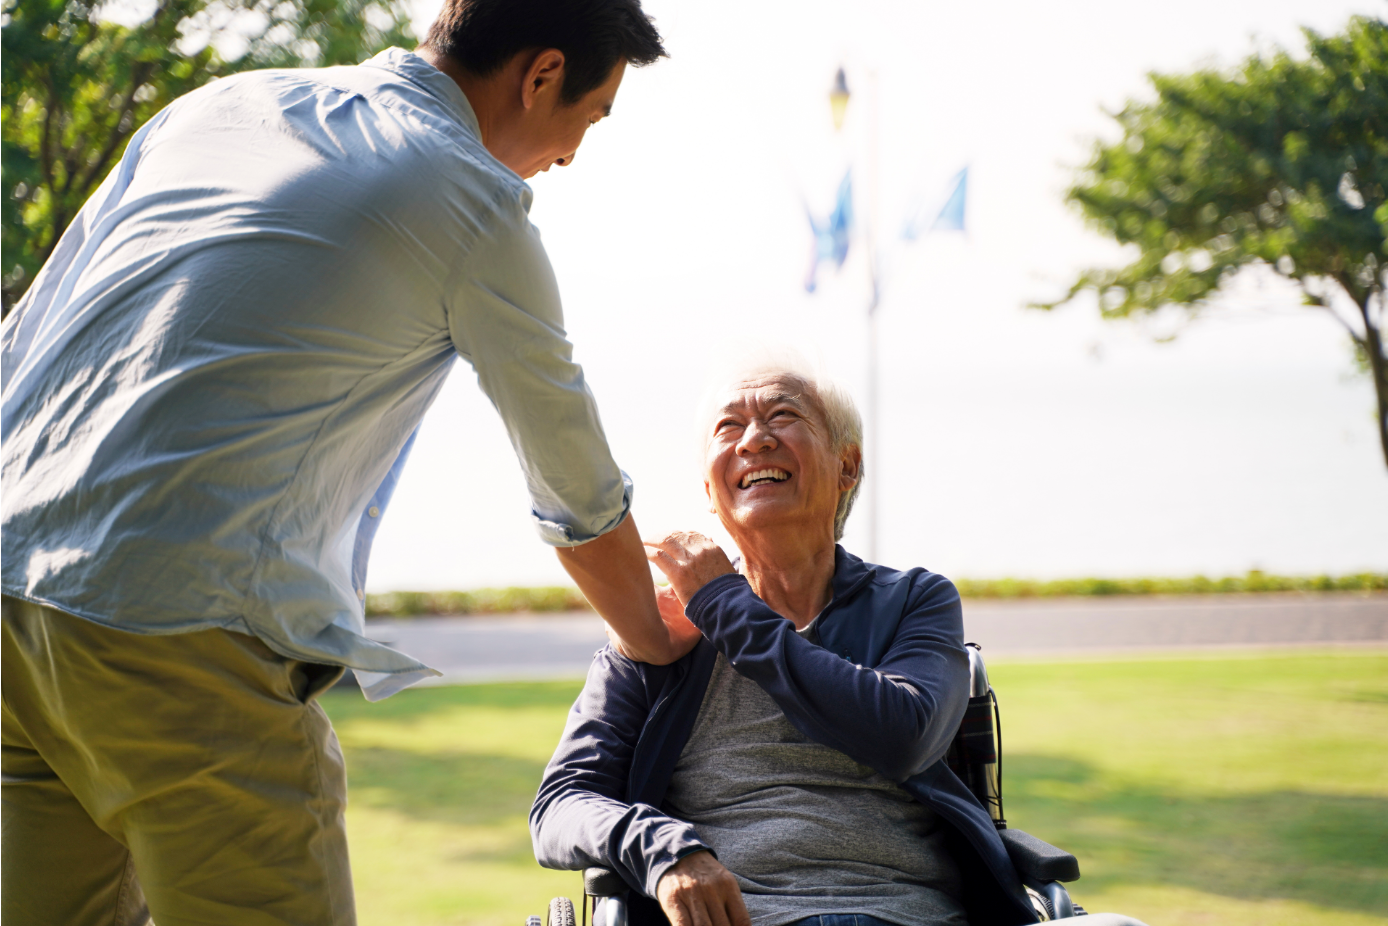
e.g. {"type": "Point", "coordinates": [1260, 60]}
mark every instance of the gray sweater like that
{"type": "Point", "coordinates": [805, 829]}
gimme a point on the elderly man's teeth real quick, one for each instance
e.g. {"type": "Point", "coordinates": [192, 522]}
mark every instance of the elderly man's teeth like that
{"type": "Point", "coordinates": [764, 476]}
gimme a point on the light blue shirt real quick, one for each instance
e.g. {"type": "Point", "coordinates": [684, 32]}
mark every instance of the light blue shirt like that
{"type": "Point", "coordinates": [208, 385]}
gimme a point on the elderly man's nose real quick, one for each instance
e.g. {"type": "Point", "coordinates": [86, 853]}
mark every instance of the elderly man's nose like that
{"type": "Point", "coordinates": [756, 437]}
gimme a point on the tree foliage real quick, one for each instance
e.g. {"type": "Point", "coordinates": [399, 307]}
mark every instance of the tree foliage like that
{"type": "Point", "coordinates": [1282, 162]}
{"type": "Point", "coordinates": [81, 76]}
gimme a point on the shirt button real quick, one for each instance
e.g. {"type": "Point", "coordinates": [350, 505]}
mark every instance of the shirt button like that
{"type": "Point", "coordinates": [374, 511]}
{"type": "Point", "coordinates": [361, 595]}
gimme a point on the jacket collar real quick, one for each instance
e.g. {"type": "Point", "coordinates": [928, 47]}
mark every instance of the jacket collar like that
{"type": "Point", "coordinates": [850, 575]}
{"type": "Point", "coordinates": [860, 622]}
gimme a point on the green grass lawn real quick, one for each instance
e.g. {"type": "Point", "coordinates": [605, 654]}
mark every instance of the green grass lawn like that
{"type": "Point", "coordinates": [1237, 791]}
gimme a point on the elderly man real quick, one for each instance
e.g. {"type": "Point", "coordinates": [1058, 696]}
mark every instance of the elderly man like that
{"type": "Point", "coordinates": [789, 769]}
{"type": "Point", "coordinates": [208, 393]}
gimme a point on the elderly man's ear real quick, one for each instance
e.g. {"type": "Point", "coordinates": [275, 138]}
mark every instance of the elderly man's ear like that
{"type": "Point", "coordinates": [852, 461]}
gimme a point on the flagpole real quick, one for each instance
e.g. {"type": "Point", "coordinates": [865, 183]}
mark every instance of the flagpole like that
{"type": "Point", "coordinates": [872, 455]}
{"type": "Point", "coordinates": [838, 102]}
{"type": "Point", "coordinates": [951, 216]}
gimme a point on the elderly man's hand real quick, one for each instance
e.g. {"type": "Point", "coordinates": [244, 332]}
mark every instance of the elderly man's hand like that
{"type": "Point", "coordinates": [698, 891]}
{"type": "Point", "coordinates": [689, 560]}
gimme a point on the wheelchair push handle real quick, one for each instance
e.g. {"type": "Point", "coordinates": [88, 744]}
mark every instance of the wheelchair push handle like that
{"type": "Point", "coordinates": [978, 672]}
{"type": "Point", "coordinates": [976, 753]}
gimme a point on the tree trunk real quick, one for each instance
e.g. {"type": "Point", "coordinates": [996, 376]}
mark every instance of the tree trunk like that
{"type": "Point", "coordinates": [1378, 370]}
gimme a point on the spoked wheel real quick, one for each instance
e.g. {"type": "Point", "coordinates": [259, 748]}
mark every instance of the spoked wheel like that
{"type": "Point", "coordinates": [561, 912]}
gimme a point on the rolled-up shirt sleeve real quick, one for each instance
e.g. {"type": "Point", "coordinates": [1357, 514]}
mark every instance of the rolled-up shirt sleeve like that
{"type": "Point", "coordinates": [506, 319]}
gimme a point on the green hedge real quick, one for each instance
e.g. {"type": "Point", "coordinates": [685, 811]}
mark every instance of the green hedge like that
{"type": "Point", "coordinates": [1254, 581]}
{"type": "Point", "coordinates": [481, 601]}
{"type": "Point", "coordinates": [560, 598]}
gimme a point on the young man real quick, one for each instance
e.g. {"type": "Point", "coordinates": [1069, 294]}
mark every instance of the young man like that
{"type": "Point", "coordinates": [208, 392]}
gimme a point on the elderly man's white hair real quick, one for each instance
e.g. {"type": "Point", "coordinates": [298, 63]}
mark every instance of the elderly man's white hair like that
{"type": "Point", "coordinates": [841, 418]}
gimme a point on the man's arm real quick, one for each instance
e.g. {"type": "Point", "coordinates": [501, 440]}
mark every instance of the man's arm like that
{"type": "Point", "coordinates": [581, 817]}
{"type": "Point", "coordinates": [613, 575]}
{"type": "Point", "coordinates": [505, 317]}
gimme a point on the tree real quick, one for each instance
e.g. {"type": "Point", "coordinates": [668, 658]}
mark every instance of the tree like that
{"type": "Point", "coordinates": [77, 84]}
{"type": "Point", "coordinates": [1282, 163]}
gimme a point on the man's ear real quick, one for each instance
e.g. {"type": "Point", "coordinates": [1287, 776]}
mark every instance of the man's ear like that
{"type": "Point", "coordinates": [852, 467]}
{"type": "Point", "coordinates": [543, 78]}
{"type": "Point", "coordinates": [708, 493]}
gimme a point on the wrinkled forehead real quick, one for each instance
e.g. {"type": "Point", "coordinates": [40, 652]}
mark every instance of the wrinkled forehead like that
{"type": "Point", "coordinates": [753, 393]}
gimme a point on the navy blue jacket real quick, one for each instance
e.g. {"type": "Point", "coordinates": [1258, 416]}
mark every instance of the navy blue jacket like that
{"type": "Point", "coordinates": [886, 685]}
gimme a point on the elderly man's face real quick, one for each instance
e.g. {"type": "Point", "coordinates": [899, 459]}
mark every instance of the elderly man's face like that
{"type": "Point", "coordinates": [769, 462]}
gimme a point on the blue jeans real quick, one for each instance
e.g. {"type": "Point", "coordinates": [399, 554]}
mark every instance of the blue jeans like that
{"type": "Point", "coordinates": [842, 919]}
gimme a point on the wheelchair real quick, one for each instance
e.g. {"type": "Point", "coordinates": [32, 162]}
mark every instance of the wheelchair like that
{"type": "Point", "coordinates": [975, 755]}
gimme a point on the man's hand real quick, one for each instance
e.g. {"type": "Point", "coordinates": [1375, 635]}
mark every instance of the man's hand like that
{"type": "Point", "coordinates": [689, 560]}
{"type": "Point", "coordinates": [698, 891]}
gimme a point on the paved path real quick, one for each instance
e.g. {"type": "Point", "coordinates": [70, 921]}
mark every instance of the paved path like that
{"type": "Point", "coordinates": [476, 649]}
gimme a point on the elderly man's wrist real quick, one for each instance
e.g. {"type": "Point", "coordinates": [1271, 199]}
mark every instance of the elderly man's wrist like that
{"type": "Point", "coordinates": [704, 597]}
{"type": "Point", "coordinates": [662, 868]}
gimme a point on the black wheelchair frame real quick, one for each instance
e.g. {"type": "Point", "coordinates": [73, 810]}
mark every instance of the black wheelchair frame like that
{"type": "Point", "coordinates": [975, 756]}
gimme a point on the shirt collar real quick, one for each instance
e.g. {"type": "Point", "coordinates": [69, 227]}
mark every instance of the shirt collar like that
{"type": "Point", "coordinates": [430, 79]}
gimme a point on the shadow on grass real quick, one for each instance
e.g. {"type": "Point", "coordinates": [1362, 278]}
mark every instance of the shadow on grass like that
{"type": "Point", "coordinates": [450, 785]}
{"type": "Point", "coordinates": [460, 788]}
{"type": "Point", "coordinates": [1330, 850]}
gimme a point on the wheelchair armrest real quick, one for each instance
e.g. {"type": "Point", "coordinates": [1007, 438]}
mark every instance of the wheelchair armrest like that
{"type": "Point", "coordinates": [600, 882]}
{"type": "Point", "coordinates": [1039, 861]}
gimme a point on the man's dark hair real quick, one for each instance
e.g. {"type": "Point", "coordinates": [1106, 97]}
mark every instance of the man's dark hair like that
{"type": "Point", "coordinates": [594, 35]}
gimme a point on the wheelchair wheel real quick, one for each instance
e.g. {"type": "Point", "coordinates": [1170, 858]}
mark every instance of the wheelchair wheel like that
{"type": "Point", "coordinates": [561, 912]}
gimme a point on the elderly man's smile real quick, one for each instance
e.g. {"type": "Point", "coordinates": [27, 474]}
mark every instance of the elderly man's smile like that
{"type": "Point", "coordinates": [763, 477]}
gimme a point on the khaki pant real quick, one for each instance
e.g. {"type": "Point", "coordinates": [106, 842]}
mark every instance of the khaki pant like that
{"type": "Point", "coordinates": [191, 778]}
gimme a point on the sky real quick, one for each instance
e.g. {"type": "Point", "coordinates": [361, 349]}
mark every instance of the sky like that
{"type": "Point", "coordinates": [1012, 442]}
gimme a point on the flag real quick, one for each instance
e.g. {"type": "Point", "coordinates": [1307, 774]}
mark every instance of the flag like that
{"type": "Point", "coordinates": [831, 234]}
{"type": "Point", "coordinates": [951, 214]}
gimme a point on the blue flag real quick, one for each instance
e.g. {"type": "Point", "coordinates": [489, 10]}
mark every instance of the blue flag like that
{"type": "Point", "coordinates": [831, 235]}
{"type": "Point", "coordinates": [950, 216]}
